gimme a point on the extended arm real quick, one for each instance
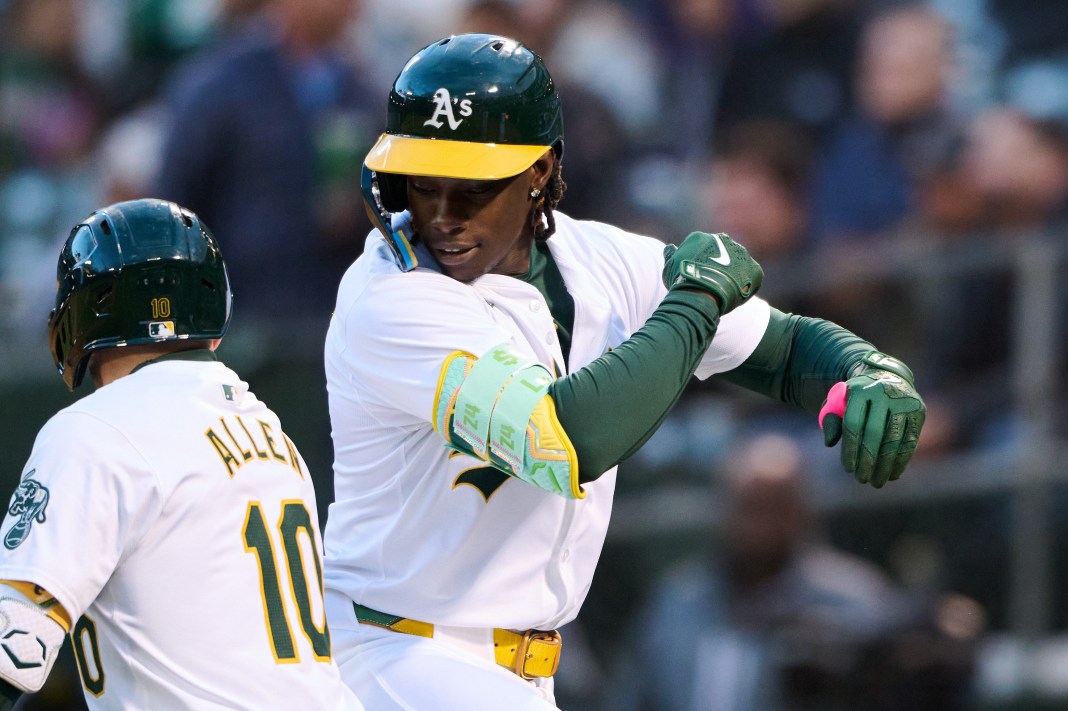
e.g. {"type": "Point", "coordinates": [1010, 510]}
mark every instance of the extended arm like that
{"type": "Point", "coordinates": [799, 359]}
{"type": "Point", "coordinates": [558, 433]}
{"type": "Point", "coordinates": [862, 396]}
{"type": "Point", "coordinates": [613, 405]}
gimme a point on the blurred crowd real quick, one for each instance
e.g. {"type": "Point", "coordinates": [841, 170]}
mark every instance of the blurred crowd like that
{"type": "Point", "coordinates": [900, 168]}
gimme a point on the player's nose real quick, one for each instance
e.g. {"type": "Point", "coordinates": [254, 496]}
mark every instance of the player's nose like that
{"type": "Point", "coordinates": [446, 216]}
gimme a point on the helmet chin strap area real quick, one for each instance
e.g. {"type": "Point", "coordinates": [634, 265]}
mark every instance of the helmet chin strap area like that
{"type": "Point", "coordinates": [396, 227]}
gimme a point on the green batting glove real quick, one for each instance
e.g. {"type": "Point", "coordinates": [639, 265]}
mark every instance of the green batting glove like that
{"type": "Point", "coordinates": [878, 416]}
{"type": "Point", "coordinates": [713, 263]}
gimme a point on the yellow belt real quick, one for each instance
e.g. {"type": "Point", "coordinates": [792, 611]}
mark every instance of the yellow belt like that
{"type": "Point", "coordinates": [531, 654]}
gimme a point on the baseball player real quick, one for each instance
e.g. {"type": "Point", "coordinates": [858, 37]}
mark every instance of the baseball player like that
{"type": "Point", "coordinates": [166, 522]}
{"type": "Point", "coordinates": [489, 363]}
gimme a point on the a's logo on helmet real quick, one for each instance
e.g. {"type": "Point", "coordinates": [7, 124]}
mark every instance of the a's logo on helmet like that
{"type": "Point", "coordinates": [28, 503]}
{"type": "Point", "coordinates": [443, 103]}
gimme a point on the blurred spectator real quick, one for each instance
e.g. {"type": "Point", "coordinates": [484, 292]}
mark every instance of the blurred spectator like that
{"type": "Point", "coordinates": [265, 137]}
{"type": "Point", "coordinates": [1034, 66]}
{"type": "Point", "coordinates": [160, 34]}
{"type": "Point", "coordinates": [129, 46]}
{"type": "Point", "coordinates": [1019, 166]}
{"type": "Point", "coordinates": [757, 191]}
{"type": "Point", "coordinates": [391, 31]}
{"type": "Point", "coordinates": [607, 67]}
{"type": "Point", "coordinates": [931, 664]}
{"type": "Point", "coordinates": [594, 151]}
{"type": "Point", "coordinates": [51, 109]}
{"type": "Point", "coordinates": [893, 157]}
{"type": "Point", "coordinates": [949, 206]}
{"type": "Point", "coordinates": [50, 116]}
{"type": "Point", "coordinates": [798, 67]}
{"type": "Point", "coordinates": [696, 40]}
{"type": "Point", "coordinates": [128, 155]}
{"type": "Point", "coordinates": [870, 179]}
{"type": "Point", "coordinates": [600, 46]}
{"type": "Point", "coordinates": [499, 17]}
{"type": "Point", "coordinates": [778, 620]}
{"type": "Point", "coordinates": [775, 620]}
{"type": "Point", "coordinates": [978, 44]}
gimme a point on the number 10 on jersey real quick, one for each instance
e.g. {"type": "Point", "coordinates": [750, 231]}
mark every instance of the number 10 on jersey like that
{"type": "Point", "coordinates": [294, 524]}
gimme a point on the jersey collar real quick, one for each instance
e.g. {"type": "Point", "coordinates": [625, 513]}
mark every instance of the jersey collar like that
{"type": "Point", "coordinates": [201, 354]}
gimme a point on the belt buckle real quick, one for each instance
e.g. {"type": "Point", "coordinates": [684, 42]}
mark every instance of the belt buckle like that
{"type": "Point", "coordinates": [538, 655]}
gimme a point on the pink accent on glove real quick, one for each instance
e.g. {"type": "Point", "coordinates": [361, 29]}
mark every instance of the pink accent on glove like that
{"type": "Point", "coordinates": [836, 402]}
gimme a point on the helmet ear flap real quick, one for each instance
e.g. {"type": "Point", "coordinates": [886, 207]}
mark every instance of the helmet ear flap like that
{"type": "Point", "coordinates": [393, 191]}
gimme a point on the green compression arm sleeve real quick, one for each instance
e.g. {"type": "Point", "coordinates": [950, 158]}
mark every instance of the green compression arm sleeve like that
{"type": "Point", "coordinates": [799, 359]}
{"type": "Point", "coordinates": [610, 407]}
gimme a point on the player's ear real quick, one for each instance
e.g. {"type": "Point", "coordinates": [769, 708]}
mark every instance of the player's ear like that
{"type": "Point", "coordinates": [542, 170]}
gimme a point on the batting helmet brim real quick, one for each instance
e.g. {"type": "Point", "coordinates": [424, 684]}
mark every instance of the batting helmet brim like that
{"type": "Point", "coordinates": [439, 158]}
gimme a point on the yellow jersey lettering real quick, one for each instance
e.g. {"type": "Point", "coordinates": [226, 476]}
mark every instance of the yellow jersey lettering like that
{"type": "Point", "coordinates": [294, 458]}
{"type": "Point", "coordinates": [228, 458]}
{"type": "Point", "coordinates": [259, 452]}
{"type": "Point", "coordinates": [266, 427]}
{"type": "Point", "coordinates": [271, 450]}
{"type": "Point", "coordinates": [245, 454]}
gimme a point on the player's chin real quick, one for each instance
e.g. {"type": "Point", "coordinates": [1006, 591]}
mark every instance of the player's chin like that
{"type": "Point", "coordinates": [464, 266]}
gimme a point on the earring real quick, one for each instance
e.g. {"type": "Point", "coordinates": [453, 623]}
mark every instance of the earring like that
{"type": "Point", "coordinates": [535, 193]}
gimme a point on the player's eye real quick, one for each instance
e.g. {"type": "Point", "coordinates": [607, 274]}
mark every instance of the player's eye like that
{"type": "Point", "coordinates": [489, 187]}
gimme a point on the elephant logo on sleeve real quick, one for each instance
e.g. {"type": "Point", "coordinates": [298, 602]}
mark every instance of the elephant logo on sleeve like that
{"type": "Point", "coordinates": [28, 504]}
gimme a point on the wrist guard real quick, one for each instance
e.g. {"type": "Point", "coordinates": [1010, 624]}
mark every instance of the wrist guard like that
{"type": "Point", "coordinates": [29, 639]}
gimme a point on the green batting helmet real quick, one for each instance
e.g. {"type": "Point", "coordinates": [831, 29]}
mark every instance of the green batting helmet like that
{"type": "Point", "coordinates": [474, 106]}
{"type": "Point", "coordinates": [143, 271]}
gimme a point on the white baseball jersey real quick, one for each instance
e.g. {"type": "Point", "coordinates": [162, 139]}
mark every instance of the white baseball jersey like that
{"type": "Point", "coordinates": [174, 520]}
{"type": "Point", "coordinates": [420, 531]}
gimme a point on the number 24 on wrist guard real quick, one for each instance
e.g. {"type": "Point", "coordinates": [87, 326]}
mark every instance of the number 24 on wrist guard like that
{"type": "Point", "coordinates": [497, 408]}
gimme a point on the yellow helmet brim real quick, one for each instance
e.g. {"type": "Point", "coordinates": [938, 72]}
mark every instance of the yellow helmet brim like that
{"type": "Point", "coordinates": [451, 159]}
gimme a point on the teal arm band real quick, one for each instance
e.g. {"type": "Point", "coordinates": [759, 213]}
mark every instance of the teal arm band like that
{"type": "Point", "coordinates": [525, 437]}
{"type": "Point", "coordinates": [799, 359]}
{"type": "Point", "coordinates": [496, 408]}
{"type": "Point", "coordinates": [608, 409]}
{"type": "Point", "coordinates": [512, 414]}
{"type": "Point", "coordinates": [479, 392]}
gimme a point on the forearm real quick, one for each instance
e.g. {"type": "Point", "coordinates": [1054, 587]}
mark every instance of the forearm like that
{"type": "Point", "coordinates": [799, 359]}
{"type": "Point", "coordinates": [610, 407]}
{"type": "Point", "coordinates": [558, 433]}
